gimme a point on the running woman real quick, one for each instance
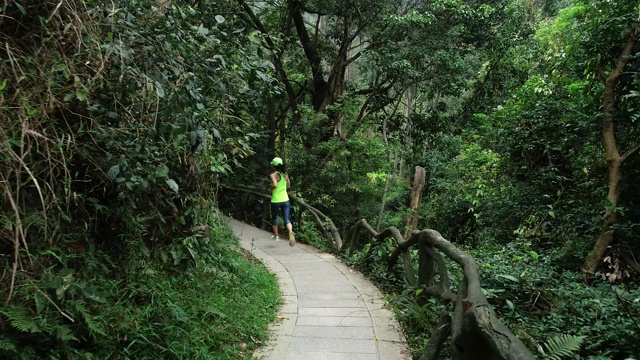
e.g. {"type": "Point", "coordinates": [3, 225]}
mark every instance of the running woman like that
{"type": "Point", "coordinates": [280, 199]}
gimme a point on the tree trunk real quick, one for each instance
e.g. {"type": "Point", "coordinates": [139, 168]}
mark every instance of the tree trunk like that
{"type": "Point", "coordinates": [411, 221]}
{"type": "Point", "coordinates": [320, 86]}
{"type": "Point", "coordinates": [383, 202]}
{"type": "Point", "coordinates": [388, 177]}
{"type": "Point", "coordinates": [614, 160]}
{"type": "Point", "coordinates": [611, 217]}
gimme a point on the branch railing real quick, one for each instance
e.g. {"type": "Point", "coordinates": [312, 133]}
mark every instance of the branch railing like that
{"type": "Point", "coordinates": [474, 328]}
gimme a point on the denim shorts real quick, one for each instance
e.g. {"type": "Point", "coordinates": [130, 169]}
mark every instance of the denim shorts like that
{"type": "Point", "coordinates": [275, 209]}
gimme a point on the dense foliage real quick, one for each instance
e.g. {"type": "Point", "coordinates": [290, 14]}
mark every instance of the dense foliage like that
{"type": "Point", "coordinates": [120, 121]}
{"type": "Point", "coordinates": [111, 244]}
{"type": "Point", "coordinates": [502, 104]}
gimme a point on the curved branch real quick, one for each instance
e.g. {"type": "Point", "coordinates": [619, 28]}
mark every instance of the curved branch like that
{"type": "Point", "coordinates": [475, 328]}
{"type": "Point", "coordinates": [443, 284]}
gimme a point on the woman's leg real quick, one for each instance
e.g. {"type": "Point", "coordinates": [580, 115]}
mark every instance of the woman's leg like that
{"type": "Point", "coordinates": [287, 211]}
{"type": "Point", "coordinates": [275, 208]}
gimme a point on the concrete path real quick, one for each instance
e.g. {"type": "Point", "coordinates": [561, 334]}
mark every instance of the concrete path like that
{"type": "Point", "coordinates": [330, 312]}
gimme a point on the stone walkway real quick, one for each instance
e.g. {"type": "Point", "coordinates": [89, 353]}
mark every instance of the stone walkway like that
{"type": "Point", "coordinates": [330, 312]}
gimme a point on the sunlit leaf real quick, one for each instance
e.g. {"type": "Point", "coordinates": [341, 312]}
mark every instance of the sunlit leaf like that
{"type": "Point", "coordinates": [173, 185]}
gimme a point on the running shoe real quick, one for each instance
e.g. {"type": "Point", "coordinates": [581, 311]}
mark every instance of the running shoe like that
{"type": "Point", "coordinates": [275, 237]}
{"type": "Point", "coordinates": [292, 239]}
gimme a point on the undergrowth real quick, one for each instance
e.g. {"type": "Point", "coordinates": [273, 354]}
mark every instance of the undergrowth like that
{"type": "Point", "coordinates": [116, 120]}
{"type": "Point", "coordinates": [205, 313]}
{"type": "Point", "coordinates": [552, 310]}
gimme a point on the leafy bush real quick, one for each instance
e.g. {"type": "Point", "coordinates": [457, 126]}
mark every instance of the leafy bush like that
{"type": "Point", "coordinates": [117, 119]}
{"type": "Point", "coordinates": [537, 298]}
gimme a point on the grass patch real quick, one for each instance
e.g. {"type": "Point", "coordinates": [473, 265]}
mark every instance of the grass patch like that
{"type": "Point", "coordinates": [219, 312]}
{"type": "Point", "coordinates": [209, 309]}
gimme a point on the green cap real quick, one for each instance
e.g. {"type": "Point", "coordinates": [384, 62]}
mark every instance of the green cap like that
{"type": "Point", "coordinates": [276, 161]}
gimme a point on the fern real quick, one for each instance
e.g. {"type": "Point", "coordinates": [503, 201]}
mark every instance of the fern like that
{"type": "Point", "coordinates": [561, 346]}
{"type": "Point", "coordinates": [21, 319]}
{"type": "Point", "coordinates": [93, 323]}
{"type": "Point", "coordinates": [7, 345]}
{"type": "Point", "coordinates": [64, 334]}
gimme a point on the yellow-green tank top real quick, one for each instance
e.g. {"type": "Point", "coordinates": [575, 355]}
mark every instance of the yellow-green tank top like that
{"type": "Point", "coordinates": [280, 192]}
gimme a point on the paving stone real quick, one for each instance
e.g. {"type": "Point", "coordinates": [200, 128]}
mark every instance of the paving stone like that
{"type": "Point", "coordinates": [325, 284]}
{"type": "Point", "coordinates": [303, 289]}
{"type": "Point", "coordinates": [300, 344]}
{"type": "Point", "coordinates": [333, 321]}
{"type": "Point", "coordinates": [344, 332]}
{"type": "Point", "coordinates": [329, 356]}
{"type": "Point", "coordinates": [285, 325]}
{"type": "Point", "coordinates": [342, 312]}
{"type": "Point", "coordinates": [330, 296]}
{"type": "Point", "coordinates": [289, 309]}
{"type": "Point", "coordinates": [336, 303]}
{"type": "Point", "coordinates": [395, 350]}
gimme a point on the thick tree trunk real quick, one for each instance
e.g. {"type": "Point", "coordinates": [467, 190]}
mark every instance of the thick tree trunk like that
{"type": "Point", "coordinates": [614, 160]}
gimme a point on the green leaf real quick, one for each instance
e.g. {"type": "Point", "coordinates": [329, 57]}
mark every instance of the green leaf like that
{"type": "Point", "coordinates": [113, 172]}
{"type": "Point", "coordinates": [510, 305]}
{"type": "Point", "coordinates": [64, 334]}
{"type": "Point", "coordinates": [162, 172]}
{"type": "Point", "coordinates": [203, 30]}
{"type": "Point", "coordinates": [173, 185]}
{"type": "Point", "coordinates": [81, 94]}
{"type": "Point", "coordinates": [220, 19]}
{"type": "Point", "coordinates": [92, 293]}
{"type": "Point", "coordinates": [508, 277]}
{"type": "Point", "coordinates": [159, 90]}
{"type": "Point", "coordinates": [534, 255]}
{"type": "Point", "coordinates": [7, 345]}
{"type": "Point", "coordinates": [216, 133]}
{"type": "Point", "coordinates": [21, 320]}
{"type": "Point", "coordinates": [20, 7]}
{"type": "Point", "coordinates": [563, 346]}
